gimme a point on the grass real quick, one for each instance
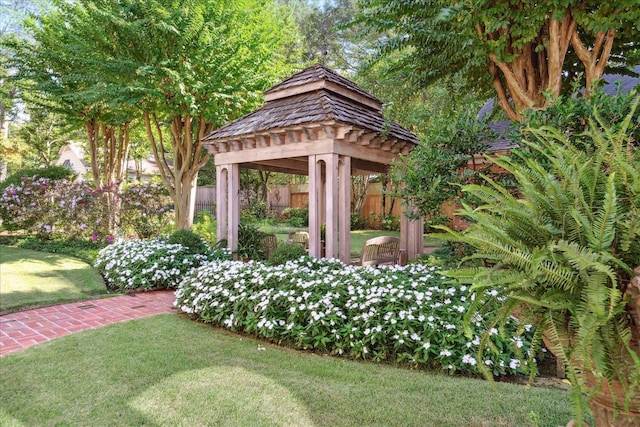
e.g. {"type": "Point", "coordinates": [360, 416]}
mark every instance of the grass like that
{"type": "Point", "coordinates": [29, 278]}
{"type": "Point", "coordinates": [85, 250]}
{"type": "Point", "coordinates": [168, 370]}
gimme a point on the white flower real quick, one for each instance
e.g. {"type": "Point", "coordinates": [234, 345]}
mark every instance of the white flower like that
{"type": "Point", "coordinates": [469, 360]}
{"type": "Point", "coordinates": [514, 364]}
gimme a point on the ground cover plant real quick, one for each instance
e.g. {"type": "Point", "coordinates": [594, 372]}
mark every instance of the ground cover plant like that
{"type": "Point", "coordinates": [406, 315]}
{"type": "Point", "coordinates": [167, 370]}
{"type": "Point", "coordinates": [151, 263]}
{"type": "Point", "coordinates": [32, 278]}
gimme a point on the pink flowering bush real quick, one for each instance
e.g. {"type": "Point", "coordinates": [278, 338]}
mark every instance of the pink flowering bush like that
{"type": "Point", "coordinates": [145, 209]}
{"type": "Point", "coordinates": [61, 207]}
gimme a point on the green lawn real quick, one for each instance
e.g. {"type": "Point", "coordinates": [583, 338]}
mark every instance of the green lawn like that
{"type": "Point", "coordinates": [29, 278]}
{"type": "Point", "coordinates": [168, 371]}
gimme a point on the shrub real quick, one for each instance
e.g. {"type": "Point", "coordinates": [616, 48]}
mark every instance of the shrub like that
{"type": "Point", "coordinates": [204, 225]}
{"type": "Point", "coordinates": [286, 252]}
{"type": "Point", "coordinates": [145, 209]}
{"type": "Point", "coordinates": [250, 242]}
{"type": "Point", "coordinates": [51, 208]}
{"type": "Point", "coordinates": [358, 222]}
{"type": "Point", "coordinates": [562, 253]}
{"type": "Point", "coordinates": [397, 314]}
{"type": "Point", "coordinates": [51, 173]}
{"type": "Point", "coordinates": [296, 217]}
{"type": "Point", "coordinates": [149, 264]}
{"type": "Point", "coordinates": [189, 240]}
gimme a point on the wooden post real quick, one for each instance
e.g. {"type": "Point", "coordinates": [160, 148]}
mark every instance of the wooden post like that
{"type": "Point", "coordinates": [411, 239]}
{"type": "Point", "coordinates": [331, 198]}
{"type": "Point", "coordinates": [233, 205]}
{"type": "Point", "coordinates": [344, 208]}
{"type": "Point", "coordinates": [315, 183]}
{"type": "Point", "coordinates": [221, 202]}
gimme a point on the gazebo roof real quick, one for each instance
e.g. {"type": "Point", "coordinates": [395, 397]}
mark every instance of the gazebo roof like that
{"type": "Point", "coordinates": [315, 96]}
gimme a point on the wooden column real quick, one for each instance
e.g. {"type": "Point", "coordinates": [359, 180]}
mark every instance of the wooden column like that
{"type": "Point", "coordinates": [344, 208]}
{"type": "Point", "coordinates": [411, 238]}
{"type": "Point", "coordinates": [233, 205]}
{"type": "Point", "coordinates": [221, 201]}
{"type": "Point", "coordinates": [315, 215]}
{"type": "Point", "coordinates": [331, 199]}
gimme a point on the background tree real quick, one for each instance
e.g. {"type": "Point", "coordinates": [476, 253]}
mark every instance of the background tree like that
{"type": "Point", "coordinates": [185, 67]}
{"type": "Point", "coordinates": [528, 48]}
{"type": "Point", "coordinates": [434, 171]}
{"type": "Point", "coordinates": [44, 133]}
{"type": "Point", "coordinates": [197, 65]}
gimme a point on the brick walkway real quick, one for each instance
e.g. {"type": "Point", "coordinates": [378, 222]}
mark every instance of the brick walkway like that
{"type": "Point", "coordinates": [26, 328]}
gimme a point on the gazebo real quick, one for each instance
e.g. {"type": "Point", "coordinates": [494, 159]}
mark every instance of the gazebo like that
{"type": "Point", "coordinates": [320, 124]}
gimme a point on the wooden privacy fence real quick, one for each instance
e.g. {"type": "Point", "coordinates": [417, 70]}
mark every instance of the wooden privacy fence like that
{"type": "Point", "coordinates": [280, 197]}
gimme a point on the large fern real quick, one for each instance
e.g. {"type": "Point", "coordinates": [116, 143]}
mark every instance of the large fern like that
{"type": "Point", "coordinates": [561, 251]}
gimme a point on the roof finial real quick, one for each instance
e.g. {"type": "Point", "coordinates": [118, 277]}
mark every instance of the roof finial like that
{"type": "Point", "coordinates": [324, 30]}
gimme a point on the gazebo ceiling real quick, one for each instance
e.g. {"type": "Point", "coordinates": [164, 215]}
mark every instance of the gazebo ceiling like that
{"type": "Point", "coordinates": [312, 112]}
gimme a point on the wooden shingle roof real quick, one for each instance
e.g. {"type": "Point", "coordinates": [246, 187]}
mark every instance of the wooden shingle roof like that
{"type": "Point", "coordinates": [314, 96]}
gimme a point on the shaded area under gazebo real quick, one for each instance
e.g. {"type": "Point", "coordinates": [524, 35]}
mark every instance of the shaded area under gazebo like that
{"type": "Point", "coordinates": [320, 124]}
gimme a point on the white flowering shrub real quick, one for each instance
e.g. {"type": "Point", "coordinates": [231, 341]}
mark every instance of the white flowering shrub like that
{"type": "Point", "coordinates": [150, 263]}
{"type": "Point", "coordinates": [394, 314]}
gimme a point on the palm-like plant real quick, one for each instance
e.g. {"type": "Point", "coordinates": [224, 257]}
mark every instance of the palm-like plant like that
{"type": "Point", "coordinates": [560, 255]}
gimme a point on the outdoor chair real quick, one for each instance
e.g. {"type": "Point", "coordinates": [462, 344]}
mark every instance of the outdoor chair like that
{"type": "Point", "coordinates": [269, 244]}
{"type": "Point", "coordinates": [380, 250]}
{"type": "Point", "coordinates": [300, 238]}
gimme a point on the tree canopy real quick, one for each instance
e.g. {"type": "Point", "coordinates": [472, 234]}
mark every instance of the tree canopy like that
{"type": "Point", "coordinates": [184, 66]}
{"type": "Point", "coordinates": [525, 49]}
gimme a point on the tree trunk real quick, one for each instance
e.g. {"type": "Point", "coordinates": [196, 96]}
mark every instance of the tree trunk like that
{"type": "Point", "coordinates": [189, 156]}
{"type": "Point", "coordinates": [595, 59]}
{"type": "Point", "coordinates": [109, 151]}
{"type": "Point", "coordinates": [359, 186]}
{"type": "Point", "coordinates": [521, 83]}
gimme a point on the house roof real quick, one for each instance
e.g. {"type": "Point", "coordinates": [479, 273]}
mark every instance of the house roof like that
{"type": "Point", "coordinates": [314, 95]}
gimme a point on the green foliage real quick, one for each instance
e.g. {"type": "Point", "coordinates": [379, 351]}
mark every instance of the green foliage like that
{"type": "Point", "coordinates": [296, 217]}
{"type": "Point", "coordinates": [435, 169]}
{"type": "Point", "coordinates": [440, 40]}
{"type": "Point", "coordinates": [190, 240]}
{"type": "Point", "coordinates": [187, 67]}
{"type": "Point", "coordinates": [145, 209]}
{"type": "Point", "coordinates": [204, 225]}
{"type": "Point", "coordinates": [358, 222]}
{"type": "Point", "coordinates": [561, 253]}
{"type": "Point", "coordinates": [404, 315]}
{"type": "Point", "coordinates": [449, 255]}
{"type": "Point", "coordinates": [150, 264]}
{"type": "Point", "coordinates": [286, 252]}
{"type": "Point", "coordinates": [49, 172]}
{"type": "Point", "coordinates": [250, 242]}
{"type": "Point", "coordinates": [572, 114]}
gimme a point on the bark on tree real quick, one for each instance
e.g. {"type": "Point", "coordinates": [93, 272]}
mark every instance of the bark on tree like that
{"type": "Point", "coordinates": [537, 67]}
{"type": "Point", "coordinates": [359, 186]}
{"type": "Point", "coordinates": [188, 157]}
{"type": "Point", "coordinates": [109, 151]}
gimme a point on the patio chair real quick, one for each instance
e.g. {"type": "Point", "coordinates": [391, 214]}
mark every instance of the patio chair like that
{"type": "Point", "coordinates": [300, 238]}
{"type": "Point", "coordinates": [380, 250]}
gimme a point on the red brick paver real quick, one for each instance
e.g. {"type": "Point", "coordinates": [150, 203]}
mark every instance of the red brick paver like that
{"type": "Point", "coordinates": [26, 328]}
